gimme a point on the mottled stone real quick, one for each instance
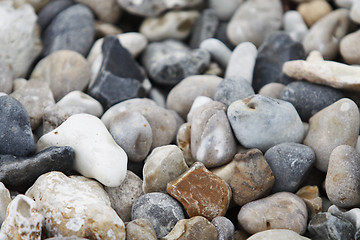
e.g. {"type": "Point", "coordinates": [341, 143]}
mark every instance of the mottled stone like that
{"type": "Point", "coordinates": [107, 11]}
{"type": "Point", "coordinates": [204, 27]}
{"type": "Point", "coordinates": [5, 199]}
{"type": "Point", "coordinates": [224, 227]}
{"type": "Point", "coordinates": [294, 25]}
{"type": "Point", "coordinates": [140, 229]}
{"type": "Point", "coordinates": [232, 89]}
{"type": "Point", "coordinates": [313, 11]}
{"type": "Point", "coordinates": [348, 49]}
{"type": "Point", "coordinates": [277, 234]}
{"type": "Point", "coordinates": [273, 90]}
{"type": "Point", "coordinates": [312, 199]}
{"type": "Point", "coordinates": [50, 10]}
{"type": "Point", "coordinates": [201, 101]}
{"type": "Point", "coordinates": [201, 192]}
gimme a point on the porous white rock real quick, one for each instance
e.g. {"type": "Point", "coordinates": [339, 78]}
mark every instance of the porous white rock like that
{"type": "Point", "coordinates": [5, 199]}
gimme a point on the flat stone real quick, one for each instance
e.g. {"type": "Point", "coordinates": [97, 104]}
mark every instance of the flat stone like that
{"type": "Point", "coordinates": [277, 234]}
{"type": "Point", "coordinates": [108, 11]}
{"type": "Point", "coordinates": [273, 90]}
{"type": "Point", "coordinates": [140, 229]}
{"type": "Point", "coordinates": [281, 210]}
{"type": "Point", "coordinates": [312, 199]}
{"type": "Point", "coordinates": [224, 227]}
{"type": "Point", "coordinates": [204, 27]}
{"type": "Point", "coordinates": [313, 11]}
{"type": "Point", "coordinates": [51, 10]}
{"type": "Point", "coordinates": [201, 192]}
{"type": "Point", "coordinates": [5, 199]}
{"type": "Point", "coordinates": [232, 89]}
{"type": "Point", "coordinates": [350, 54]}
{"type": "Point", "coordinates": [294, 25]}
{"type": "Point", "coordinates": [335, 125]}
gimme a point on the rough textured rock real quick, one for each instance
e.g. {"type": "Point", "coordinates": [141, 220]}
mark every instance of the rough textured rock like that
{"type": "Point", "coordinates": [312, 199]}
{"type": "Point", "coordinates": [352, 215]}
{"type": "Point", "coordinates": [140, 229]}
{"type": "Point", "coordinates": [350, 53]}
{"type": "Point", "coordinates": [224, 227]}
{"type": "Point", "coordinates": [5, 199]}
{"type": "Point", "coordinates": [314, 10]}
{"type": "Point", "coordinates": [277, 234]}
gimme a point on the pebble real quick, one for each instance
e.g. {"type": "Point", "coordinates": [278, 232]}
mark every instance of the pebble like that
{"type": "Point", "coordinates": [104, 29]}
{"type": "Point", "coordinates": [107, 162]}
{"type": "Point", "coordinates": [232, 89]}
{"type": "Point", "coordinates": [173, 24]}
{"type": "Point", "coordinates": [75, 206]}
{"type": "Point", "coordinates": [312, 199]}
{"type": "Point", "coordinates": [170, 61]}
{"type": "Point", "coordinates": [134, 42]}
{"type": "Point", "coordinates": [344, 3]}
{"type": "Point", "coordinates": [140, 229]}
{"type": "Point", "coordinates": [16, 137]}
{"type": "Point", "coordinates": [6, 78]}
{"type": "Point", "coordinates": [224, 227]}
{"type": "Point", "coordinates": [325, 34]}
{"type": "Point", "coordinates": [196, 227]}
{"type": "Point", "coordinates": [225, 10]}
{"type": "Point", "coordinates": [294, 25]}
{"type": "Point", "coordinates": [352, 215]}
{"type": "Point", "coordinates": [193, 86]}
{"type": "Point", "coordinates": [183, 141]}
{"type": "Point", "coordinates": [314, 10]}
{"type": "Point", "coordinates": [163, 165]}
{"type": "Point", "coordinates": [309, 98]}
{"type": "Point", "coordinates": [279, 211]}
{"type": "Point", "coordinates": [273, 90]}
{"type": "Point", "coordinates": [218, 50]}
{"type": "Point", "coordinates": [160, 209]}
{"type": "Point", "coordinates": [5, 199]}
{"type": "Point", "coordinates": [243, 27]}
{"type": "Point", "coordinates": [350, 53]}
{"type": "Point", "coordinates": [262, 122]}
{"type": "Point", "coordinates": [355, 12]}
{"type": "Point", "coordinates": [277, 48]}
{"type": "Point", "coordinates": [51, 10]}
{"type": "Point", "coordinates": [64, 71]}
{"type": "Point", "coordinates": [71, 29]}
{"type": "Point", "coordinates": [252, 177]}
{"type": "Point", "coordinates": [20, 38]}
{"type": "Point", "coordinates": [204, 27]}
{"type": "Point", "coordinates": [335, 125]}
{"type": "Point", "coordinates": [277, 234]}
{"type": "Point", "coordinates": [201, 192]}
{"type": "Point", "coordinates": [327, 226]}
{"type": "Point", "coordinates": [108, 11]}
{"type": "Point", "coordinates": [201, 101]}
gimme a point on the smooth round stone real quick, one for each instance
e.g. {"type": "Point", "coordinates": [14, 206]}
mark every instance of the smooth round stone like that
{"type": "Point", "coordinates": [262, 122]}
{"type": "Point", "coordinates": [16, 137]}
{"type": "Point", "coordinates": [224, 10]}
{"type": "Point", "coordinates": [232, 89]}
{"type": "Point", "coordinates": [277, 234]}
{"type": "Point", "coordinates": [224, 227]}
{"type": "Point", "coordinates": [65, 71]}
{"type": "Point", "coordinates": [309, 98]}
{"type": "Point", "coordinates": [291, 163]}
{"type": "Point", "coordinates": [244, 27]}
{"type": "Point", "coordinates": [281, 210]}
{"type": "Point", "coordinates": [312, 199]}
{"type": "Point", "coordinates": [140, 229]}
{"type": "Point", "coordinates": [349, 52]}
{"type": "Point", "coordinates": [335, 125]}
{"type": "Point", "coordinates": [272, 90]}
{"type": "Point", "coordinates": [173, 24]}
{"type": "Point", "coordinates": [357, 147]}
{"type": "Point", "coordinates": [36, 4]}
{"type": "Point", "coordinates": [313, 11]}
{"type": "Point", "coordinates": [163, 165]}
{"type": "Point", "coordinates": [342, 181]}
{"type": "Point", "coordinates": [107, 11]}
{"type": "Point", "coordinates": [294, 25]}
{"type": "Point", "coordinates": [204, 27]}
{"type": "Point", "coordinates": [50, 10]}
{"type": "Point", "coordinates": [218, 50]}
{"type": "Point", "coordinates": [72, 29]}
{"type": "Point", "coordinates": [18, 83]}
{"type": "Point", "coordinates": [182, 96]}
{"type": "Point", "coordinates": [325, 35]}
{"type": "Point", "coordinates": [160, 209]}
{"type": "Point", "coordinates": [6, 78]}
{"type": "Point", "coordinates": [20, 38]}
{"type": "Point", "coordinates": [344, 3]}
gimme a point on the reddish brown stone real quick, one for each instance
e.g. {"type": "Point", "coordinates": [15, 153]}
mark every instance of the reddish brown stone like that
{"type": "Point", "coordinates": [201, 192]}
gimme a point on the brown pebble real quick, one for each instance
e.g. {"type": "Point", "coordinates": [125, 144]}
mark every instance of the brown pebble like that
{"type": "Point", "coordinates": [312, 199]}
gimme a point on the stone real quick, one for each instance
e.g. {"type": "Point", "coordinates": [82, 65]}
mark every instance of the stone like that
{"type": "Point", "coordinates": [313, 11]}
{"type": "Point", "coordinates": [140, 229]}
{"type": "Point", "coordinates": [17, 83]}
{"type": "Point", "coordinates": [75, 206]}
{"type": "Point", "coordinates": [327, 226]}
{"type": "Point", "coordinates": [344, 3]}
{"type": "Point", "coordinates": [342, 179]}
{"type": "Point", "coordinates": [133, 133]}
{"type": "Point", "coordinates": [182, 96]}
{"type": "Point", "coordinates": [134, 42]}
{"type": "Point", "coordinates": [51, 10]}
{"type": "Point", "coordinates": [232, 89]}
{"type": "Point", "coordinates": [224, 227]}
{"type": "Point", "coordinates": [16, 137]}
{"type": "Point", "coordinates": [218, 50]}
{"type": "Point", "coordinates": [350, 54]}
{"type": "Point", "coordinates": [312, 199]}
{"type": "Point", "coordinates": [23, 171]}
{"type": "Point", "coordinates": [335, 125]}
{"type": "Point", "coordinates": [20, 42]}
{"type": "Point", "coordinates": [201, 192]}
{"type": "Point", "coordinates": [351, 215]}
{"type": "Point", "coordinates": [84, 132]}
{"type": "Point", "coordinates": [225, 10]}
{"type": "Point", "coordinates": [204, 27]}
{"type": "Point", "coordinates": [252, 177]}
{"type": "Point", "coordinates": [243, 27]}
{"type": "Point", "coordinates": [35, 96]}
{"type": "Point", "coordinates": [104, 29]}
{"type": "Point", "coordinates": [309, 98]}
{"type": "Point", "coordinates": [355, 12]}
{"type": "Point", "coordinates": [281, 210]}
{"type": "Point", "coordinates": [5, 199]}
{"type": "Point", "coordinates": [326, 34]}
{"type": "Point", "coordinates": [23, 220]}
{"type": "Point", "coordinates": [64, 71]}
{"type": "Point", "coordinates": [160, 209]}
{"type": "Point", "coordinates": [201, 101]}
{"type": "Point", "coordinates": [277, 49]}
{"type": "Point", "coordinates": [171, 61]}
{"type": "Point", "coordinates": [262, 122]}
{"type": "Point", "coordinates": [123, 197]}
{"type": "Point", "coordinates": [163, 165]}
{"type": "Point", "coordinates": [71, 29]}
{"type": "Point", "coordinates": [108, 11]}
{"type": "Point", "coordinates": [183, 141]}
{"type": "Point", "coordinates": [196, 227]}
{"type": "Point", "coordinates": [212, 140]}
{"type": "Point", "coordinates": [173, 24]}
{"type": "Point", "coordinates": [273, 90]}
{"type": "Point", "coordinates": [277, 234]}
{"type": "Point", "coordinates": [67, 238]}
{"type": "Point", "coordinates": [6, 78]}
{"type": "Point", "coordinates": [294, 25]}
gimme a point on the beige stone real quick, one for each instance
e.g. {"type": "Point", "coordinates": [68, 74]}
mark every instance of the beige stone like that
{"type": "Point", "coordinates": [6, 78]}
{"type": "Point", "coordinates": [272, 90]}
{"type": "Point", "coordinates": [277, 234]}
{"type": "Point", "coordinates": [312, 199]}
{"type": "Point", "coordinates": [314, 10]}
{"type": "Point", "coordinates": [106, 10]}
{"type": "Point", "coordinates": [103, 29]}
{"type": "Point", "coordinates": [355, 11]}
{"type": "Point", "coordinates": [140, 229]}
{"type": "Point", "coordinates": [349, 48]}
{"type": "Point", "coordinates": [183, 141]}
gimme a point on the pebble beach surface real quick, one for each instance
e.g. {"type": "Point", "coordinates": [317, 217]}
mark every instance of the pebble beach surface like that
{"type": "Point", "coordinates": [179, 119]}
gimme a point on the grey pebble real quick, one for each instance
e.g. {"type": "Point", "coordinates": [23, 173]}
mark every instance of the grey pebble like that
{"type": "Point", "coordinates": [224, 227]}
{"type": "Point", "coordinates": [231, 89]}
{"type": "Point", "coordinates": [51, 10]}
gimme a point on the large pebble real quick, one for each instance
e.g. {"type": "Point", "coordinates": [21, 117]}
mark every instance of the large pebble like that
{"type": "Point", "coordinates": [204, 27]}
{"type": "Point", "coordinates": [314, 10]}
{"type": "Point", "coordinates": [51, 10]}
{"type": "Point", "coordinates": [262, 122]}
{"type": "Point", "coordinates": [140, 229]}
{"type": "Point", "coordinates": [335, 125]}
{"type": "Point", "coordinates": [277, 234]}
{"type": "Point", "coordinates": [355, 12]}
{"type": "Point", "coordinates": [231, 89]}
{"type": "Point", "coordinates": [160, 209]}
{"type": "Point", "coordinates": [294, 25]}
{"type": "Point", "coordinates": [96, 153]}
{"type": "Point", "coordinates": [107, 11]}
{"type": "Point", "coordinates": [280, 210]}
{"type": "Point", "coordinates": [224, 227]}
{"type": "Point", "coordinates": [348, 51]}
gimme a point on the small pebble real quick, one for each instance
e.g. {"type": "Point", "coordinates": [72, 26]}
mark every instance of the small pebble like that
{"type": "Point", "coordinates": [6, 78]}
{"type": "Point", "coordinates": [272, 90]}
{"type": "Point", "coordinates": [277, 234]}
{"type": "Point", "coordinates": [104, 29]}
{"type": "Point", "coordinates": [294, 25]}
{"type": "Point", "coordinates": [183, 141]}
{"type": "Point", "coordinates": [140, 229]}
{"type": "Point", "coordinates": [348, 51]}
{"type": "Point", "coordinates": [204, 27]}
{"type": "Point", "coordinates": [224, 227]}
{"type": "Point", "coordinates": [312, 199]}
{"type": "Point", "coordinates": [352, 215]}
{"type": "Point", "coordinates": [314, 10]}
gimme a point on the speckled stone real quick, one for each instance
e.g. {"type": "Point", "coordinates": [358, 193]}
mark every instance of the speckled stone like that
{"type": "Point", "coordinates": [277, 234]}
{"type": "Point", "coordinates": [140, 229]}
{"type": "Point", "coordinates": [312, 199]}
{"type": "Point", "coordinates": [224, 227]}
{"type": "Point", "coordinates": [232, 89]}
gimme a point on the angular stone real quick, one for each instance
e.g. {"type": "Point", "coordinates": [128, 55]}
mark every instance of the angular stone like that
{"type": "Point", "coordinates": [312, 199]}
{"type": "Point", "coordinates": [5, 199]}
{"type": "Point", "coordinates": [232, 89]}
{"type": "Point", "coordinates": [108, 11]}
{"type": "Point", "coordinates": [352, 215]}
{"type": "Point", "coordinates": [348, 50]}
{"type": "Point", "coordinates": [140, 229]}
{"type": "Point", "coordinates": [273, 90]}
{"type": "Point", "coordinates": [224, 227]}
{"type": "Point", "coordinates": [277, 234]}
{"type": "Point", "coordinates": [51, 10]}
{"type": "Point", "coordinates": [314, 10]}
{"type": "Point", "coordinates": [204, 27]}
{"type": "Point", "coordinates": [294, 25]}
{"type": "Point", "coordinates": [335, 125]}
{"type": "Point", "coordinates": [201, 192]}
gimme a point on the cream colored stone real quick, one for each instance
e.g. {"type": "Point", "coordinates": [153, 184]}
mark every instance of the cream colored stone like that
{"type": "Point", "coordinates": [6, 78]}
{"type": "Point", "coordinates": [19, 83]}
{"type": "Point", "coordinates": [140, 229]}
{"type": "Point", "coordinates": [314, 10]}
{"type": "Point", "coordinates": [5, 199]}
{"type": "Point", "coordinates": [272, 90]}
{"type": "Point", "coordinates": [349, 48]}
{"type": "Point", "coordinates": [36, 4]}
{"type": "Point", "coordinates": [277, 234]}
{"type": "Point", "coordinates": [106, 10]}
{"type": "Point", "coordinates": [103, 29]}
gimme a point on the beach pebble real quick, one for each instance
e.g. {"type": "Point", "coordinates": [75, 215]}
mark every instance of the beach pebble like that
{"type": "Point", "coordinates": [51, 10]}
{"type": "Point", "coordinates": [16, 137]}
{"type": "Point", "coordinates": [199, 102]}
{"type": "Point", "coordinates": [244, 27]}
{"type": "Point", "coordinates": [134, 42]}
{"type": "Point", "coordinates": [335, 125]}
{"type": "Point", "coordinates": [312, 199]}
{"type": "Point", "coordinates": [224, 227]}
{"type": "Point", "coordinates": [294, 25]}
{"type": "Point", "coordinates": [75, 206]}
{"type": "Point", "coordinates": [160, 209]}
{"type": "Point", "coordinates": [273, 90]}
{"type": "Point", "coordinates": [183, 141]}
{"type": "Point", "coordinates": [72, 29]}
{"type": "Point", "coordinates": [163, 165]}
{"type": "Point", "coordinates": [123, 197]}
{"type": "Point", "coordinates": [252, 177]}
{"type": "Point", "coordinates": [277, 234]}
{"type": "Point", "coordinates": [355, 12]}
{"type": "Point", "coordinates": [20, 38]}
{"type": "Point", "coordinates": [83, 132]}
{"type": "Point", "coordinates": [309, 98]}
{"type": "Point", "coordinates": [6, 78]}
{"type": "Point", "coordinates": [350, 53]}
{"type": "Point", "coordinates": [201, 192]}
{"type": "Point", "coordinates": [277, 48]}
{"type": "Point", "coordinates": [140, 229]}
{"type": "Point", "coordinates": [170, 61]}
{"type": "Point", "coordinates": [108, 11]}
{"type": "Point", "coordinates": [314, 10]}
{"type": "Point", "coordinates": [204, 27]}
{"type": "Point", "coordinates": [218, 50]}
{"type": "Point", "coordinates": [224, 10]}
{"type": "Point", "coordinates": [280, 210]}
{"type": "Point", "coordinates": [231, 89]}
{"type": "Point", "coordinates": [104, 29]}
{"type": "Point", "coordinates": [352, 215]}
{"type": "Point", "coordinates": [5, 199]}
{"type": "Point", "coordinates": [262, 122]}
